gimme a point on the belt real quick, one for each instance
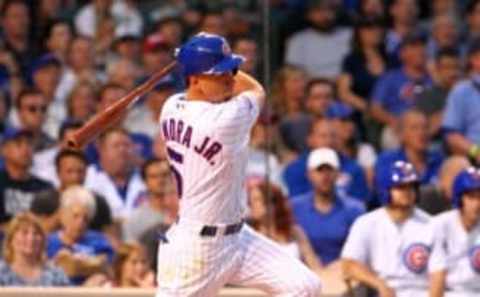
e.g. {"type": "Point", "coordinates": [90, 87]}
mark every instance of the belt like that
{"type": "Point", "coordinates": [211, 231]}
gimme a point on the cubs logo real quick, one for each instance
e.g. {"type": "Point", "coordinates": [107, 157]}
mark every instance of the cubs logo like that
{"type": "Point", "coordinates": [475, 258]}
{"type": "Point", "coordinates": [416, 257]}
{"type": "Point", "coordinates": [226, 49]}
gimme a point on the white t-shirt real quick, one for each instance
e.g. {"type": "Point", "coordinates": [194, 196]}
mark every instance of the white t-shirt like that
{"type": "Point", "coordinates": [396, 253]}
{"type": "Point", "coordinates": [457, 252]}
{"type": "Point", "coordinates": [207, 147]}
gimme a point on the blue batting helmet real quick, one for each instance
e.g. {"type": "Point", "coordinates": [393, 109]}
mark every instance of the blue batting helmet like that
{"type": "Point", "coordinates": [400, 173]}
{"type": "Point", "coordinates": [207, 53]}
{"type": "Point", "coordinates": [467, 180]}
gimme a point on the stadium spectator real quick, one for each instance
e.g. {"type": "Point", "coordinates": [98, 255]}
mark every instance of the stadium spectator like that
{"type": "Point", "coordinates": [143, 118]}
{"type": "Point", "coordinates": [78, 250]}
{"type": "Point", "coordinates": [17, 184]}
{"type": "Point", "coordinates": [23, 263]}
{"type": "Point", "coordinates": [322, 36]}
{"type": "Point", "coordinates": [45, 75]}
{"type": "Point", "coordinates": [437, 197]}
{"type": "Point", "coordinates": [127, 47]}
{"type": "Point", "coordinates": [371, 9]}
{"type": "Point", "coordinates": [124, 73]}
{"type": "Point", "coordinates": [396, 91]}
{"type": "Point", "coordinates": [213, 22]}
{"type": "Point", "coordinates": [362, 67]}
{"type": "Point", "coordinates": [71, 168]}
{"type": "Point", "coordinates": [130, 267]}
{"type": "Point", "coordinates": [82, 102]}
{"type": "Point", "coordinates": [58, 38]}
{"type": "Point", "coordinates": [472, 16]}
{"type": "Point", "coordinates": [30, 114]}
{"type": "Point", "coordinates": [15, 15]}
{"type": "Point", "coordinates": [115, 176]}
{"type": "Point", "coordinates": [159, 206]}
{"type": "Point", "coordinates": [172, 30]}
{"type": "Point", "coordinates": [325, 216]}
{"type": "Point", "coordinates": [124, 13]}
{"type": "Point", "coordinates": [247, 47]}
{"type": "Point", "coordinates": [320, 96]}
{"type": "Point", "coordinates": [415, 142]}
{"type": "Point", "coordinates": [351, 180]}
{"type": "Point", "coordinates": [445, 34]}
{"type": "Point", "coordinates": [80, 66]}
{"type": "Point", "coordinates": [432, 100]}
{"type": "Point", "coordinates": [156, 52]}
{"type": "Point", "coordinates": [288, 91]}
{"type": "Point", "coordinates": [461, 124]}
{"type": "Point", "coordinates": [404, 14]}
{"type": "Point", "coordinates": [271, 215]}
{"type": "Point", "coordinates": [44, 208]}
{"type": "Point", "coordinates": [348, 140]}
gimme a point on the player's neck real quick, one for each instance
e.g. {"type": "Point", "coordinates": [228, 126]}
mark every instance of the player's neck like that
{"type": "Point", "coordinates": [196, 94]}
{"type": "Point", "coordinates": [399, 215]}
{"type": "Point", "coordinates": [156, 202]}
{"type": "Point", "coordinates": [468, 223]}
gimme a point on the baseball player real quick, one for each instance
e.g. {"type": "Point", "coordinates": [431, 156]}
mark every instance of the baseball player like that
{"type": "Point", "coordinates": [388, 249]}
{"type": "Point", "coordinates": [206, 131]}
{"type": "Point", "coordinates": [455, 259]}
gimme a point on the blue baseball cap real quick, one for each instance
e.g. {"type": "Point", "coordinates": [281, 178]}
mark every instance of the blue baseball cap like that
{"type": "Point", "coordinates": [44, 61]}
{"type": "Point", "coordinates": [340, 111]}
{"type": "Point", "coordinates": [12, 133]}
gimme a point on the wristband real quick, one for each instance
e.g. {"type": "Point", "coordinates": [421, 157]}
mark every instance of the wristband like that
{"type": "Point", "coordinates": [474, 151]}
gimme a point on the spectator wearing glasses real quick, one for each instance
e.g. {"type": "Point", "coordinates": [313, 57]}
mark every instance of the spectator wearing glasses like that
{"type": "Point", "coordinates": [32, 109]}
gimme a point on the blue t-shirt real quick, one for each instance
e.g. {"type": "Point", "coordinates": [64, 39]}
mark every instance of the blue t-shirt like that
{"type": "Point", "coordinates": [385, 161]}
{"type": "Point", "coordinates": [327, 232]}
{"type": "Point", "coordinates": [396, 92]}
{"type": "Point", "coordinates": [351, 181]}
{"type": "Point", "coordinates": [462, 113]}
{"type": "Point", "coordinates": [92, 243]}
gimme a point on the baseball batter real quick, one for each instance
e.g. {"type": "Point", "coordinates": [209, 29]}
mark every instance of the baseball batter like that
{"type": "Point", "coordinates": [206, 131]}
{"type": "Point", "coordinates": [388, 249]}
{"type": "Point", "coordinates": [455, 259]}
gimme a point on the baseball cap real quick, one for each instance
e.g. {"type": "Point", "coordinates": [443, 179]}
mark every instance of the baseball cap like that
{"type": "Point", "coordinates": [155, 42]}
{"type": "Point", "coordinates": [323, 156]}
{"type": "Point", "coordinates": [339, 111]}
{"type": "Point", "coordinates": [11, 133]}
{"type": "Point", "coordinates": [44, 61]}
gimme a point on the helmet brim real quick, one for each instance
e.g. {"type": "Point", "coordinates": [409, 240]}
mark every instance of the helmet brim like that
{"type": "Point", "coordinates": [229, 63]}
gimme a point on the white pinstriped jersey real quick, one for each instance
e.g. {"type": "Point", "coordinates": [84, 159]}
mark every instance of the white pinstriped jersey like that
{"type": "Point", "coordinates": [207, 147]}
{"type": "Point", "coordinates": [458, 252]}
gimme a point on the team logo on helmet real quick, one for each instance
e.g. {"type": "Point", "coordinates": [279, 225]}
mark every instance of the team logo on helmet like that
{"type": "Point", "coordinates": [475, 258]}
{"type": "Point", "coordinates": [416, 257]}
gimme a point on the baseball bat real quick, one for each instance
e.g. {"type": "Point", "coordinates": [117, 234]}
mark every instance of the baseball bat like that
{"type": "Point", "coordinates": [102, 119]}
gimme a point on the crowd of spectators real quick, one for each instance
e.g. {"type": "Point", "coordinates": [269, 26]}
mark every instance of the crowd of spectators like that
{"type": "Point", "coordinates": [357, 85]}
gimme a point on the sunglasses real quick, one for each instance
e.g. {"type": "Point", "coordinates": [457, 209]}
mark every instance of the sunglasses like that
{"type": "Point", "coordinates": [37, 108]}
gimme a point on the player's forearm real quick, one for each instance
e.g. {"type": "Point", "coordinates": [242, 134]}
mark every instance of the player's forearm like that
{"type": "Point", "coordinates": [437, 284]}
{"type": "Point", "coordinates": [359, 272]}
{"type": "Point", "coordinates": [458, 143]}
{"type": "Point", "coordinates": [382, 115]}
{"type": "Point", "coordinates": [245, 82]}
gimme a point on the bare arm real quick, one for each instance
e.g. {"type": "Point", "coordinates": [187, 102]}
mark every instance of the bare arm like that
{"type": "Point", "coordinates": [437, 283]}
{"type": "Point", "coordinates": [458, 143]}
{"type": "Point", "coordinates": [306, 250]}
{"type": "Point", "coordinates": [382, 115]}
{"type": "Point", "coordinates": [244, 82]}
{"type": "Point", "coordinates": [358, 271]}
{"type": "Point", "coordinates": [345, 93]}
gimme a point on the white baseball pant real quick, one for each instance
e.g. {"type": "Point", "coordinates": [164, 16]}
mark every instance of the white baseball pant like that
{"type": "Point", "coordinates": [192, 265]}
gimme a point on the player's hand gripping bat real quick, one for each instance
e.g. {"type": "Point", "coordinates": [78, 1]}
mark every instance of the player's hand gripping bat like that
{"type": "Point", "coordinates": [103, 119]}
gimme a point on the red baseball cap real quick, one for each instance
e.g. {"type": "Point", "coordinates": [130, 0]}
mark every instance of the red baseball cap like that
{"type": "Point", "coordinates": [155, 42]}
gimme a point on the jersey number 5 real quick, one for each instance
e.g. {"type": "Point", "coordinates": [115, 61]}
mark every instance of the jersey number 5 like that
{"type": "Point", "coordinates": [177, 158]}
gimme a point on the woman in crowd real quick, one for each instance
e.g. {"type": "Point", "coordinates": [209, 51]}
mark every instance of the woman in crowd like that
{"type": "Point", "coordinates": [131, 269]}
{"type": "Point", "coordinates": [273, 218]}
{"type": "Point", "coordinates": [82, 102]}
{"type": "Point", "coordinates": [362, 66]}
{"type": "Point", "coordinates": [24, 256]}
{"type": "Point", "coordinates": [288, 92]}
